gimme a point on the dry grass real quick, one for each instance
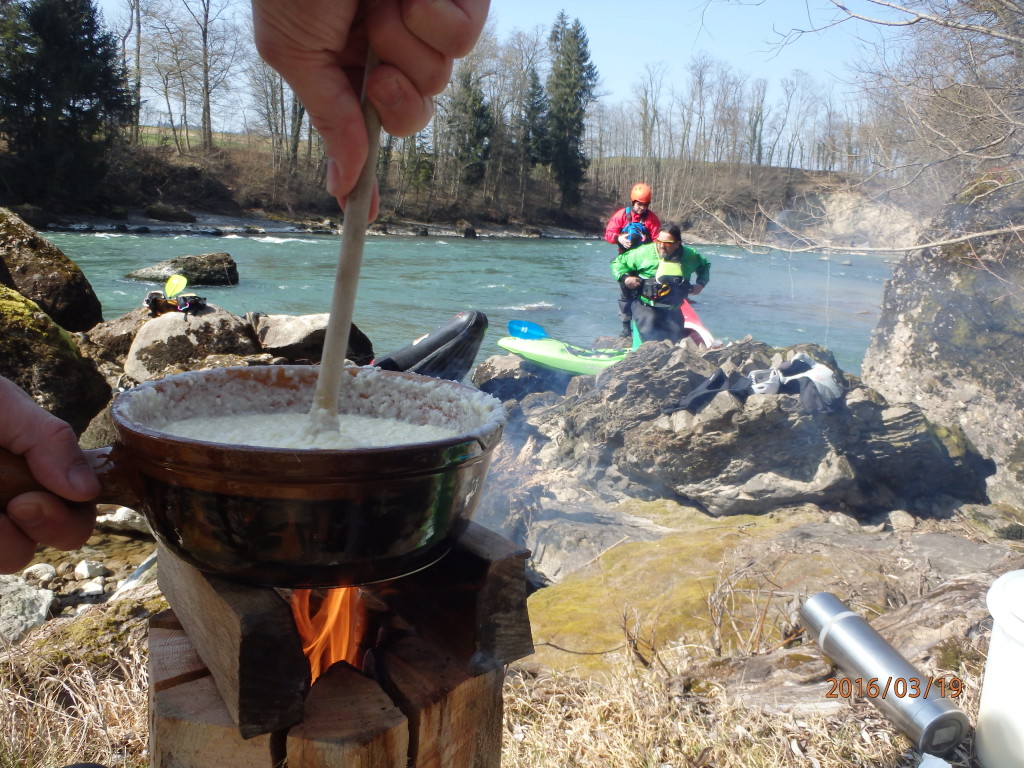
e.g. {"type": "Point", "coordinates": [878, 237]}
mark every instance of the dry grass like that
{"type": "Point", "coordinates": [642, 718]}
{"type": "Point", "coordinates": [79, 712]}
{"type": "Point", "coordinates": [644, 712]}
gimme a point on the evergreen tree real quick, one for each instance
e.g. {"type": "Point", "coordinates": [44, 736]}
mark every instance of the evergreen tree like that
{"type": "Point", "coordinates": [533, 122]}
{"type": "Point", "coordinates": [570, 88]}
{"type": "Point", "coordinates": [471, 124]}
{"type": "Point", "coordinates": [63, 94]}
{"type": "Point", "coordinates": [531, 133]}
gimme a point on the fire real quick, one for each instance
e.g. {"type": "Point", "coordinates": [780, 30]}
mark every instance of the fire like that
{"type": "Point", "coordinates": [329, 625]}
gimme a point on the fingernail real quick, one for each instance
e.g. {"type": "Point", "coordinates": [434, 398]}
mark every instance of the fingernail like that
{"type": "Point", "coordinates": [83, 480]}
{"type": "Point", "coordinates": [333, 177]}
{"type": "Point", "coordinates": [387, 93]}
{"type": "Point", "coordinates": [27, 515]}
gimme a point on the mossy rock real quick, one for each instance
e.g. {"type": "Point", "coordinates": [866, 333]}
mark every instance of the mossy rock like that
{"type": "Point", "coordinates": [36, 268]}
{"type": "Point", "coordinates": [43, 359]}
{"type": "Point", "coordinates": [662, 587]}
{"type": "Point", "coordinates": [99, 637]}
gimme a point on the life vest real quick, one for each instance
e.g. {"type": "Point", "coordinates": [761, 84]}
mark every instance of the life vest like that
{"type": "Point", "coordinates": [636, 230]}
{"type": "Point", "coordinates": [668, 288]}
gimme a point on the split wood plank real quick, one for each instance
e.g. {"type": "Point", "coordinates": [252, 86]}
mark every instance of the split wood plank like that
{"type": "Point", "coordinates": [172, 659]}
{"type": "Point", "coordinates": [455, 718]}
{"type": "Point", "coordinates": [247, 637]}
{"type": "Point", "coordinates": [189, 726]}
{"type": "Point", "coordinates": [350, 723]}
{"type": "Point", "coordinates": [472, 602]}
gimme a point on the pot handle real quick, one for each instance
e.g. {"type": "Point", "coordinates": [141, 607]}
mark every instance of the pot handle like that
{"type": "Point", "coordinates": [116, 487]}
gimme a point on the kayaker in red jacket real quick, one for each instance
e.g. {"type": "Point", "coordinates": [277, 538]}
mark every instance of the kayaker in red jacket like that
{"type": "Point", "coordinates": [629, 227]}
{"type": "Point", "coordinates": [635, 224]}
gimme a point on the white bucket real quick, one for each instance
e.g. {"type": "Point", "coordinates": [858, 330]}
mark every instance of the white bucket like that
{"type": "Point", "coordinates": [1000, 731]}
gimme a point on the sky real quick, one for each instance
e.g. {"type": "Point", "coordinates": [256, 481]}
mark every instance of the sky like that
{"type": "Point", "coordinates": [625, 37]}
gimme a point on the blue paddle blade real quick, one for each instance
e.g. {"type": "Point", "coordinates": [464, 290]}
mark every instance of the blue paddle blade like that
{"type": "Point", "coordinates": [524, 329]}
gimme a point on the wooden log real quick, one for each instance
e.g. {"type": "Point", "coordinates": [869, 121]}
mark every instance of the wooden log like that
{"type": "Point", "coordinates": [189, 726]}
{"type": "Point", "coordinates": [455, 718]}
{"type": "Point", "coordinates": [350, 722]}
{"type": "Point", "coordinates": [246, 636]}
{"type": "Point", "coordinates": [472, 602]}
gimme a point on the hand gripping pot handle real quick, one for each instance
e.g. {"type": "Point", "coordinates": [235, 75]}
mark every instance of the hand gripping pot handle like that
{"type": "Point", "coordinates": [931, 722]}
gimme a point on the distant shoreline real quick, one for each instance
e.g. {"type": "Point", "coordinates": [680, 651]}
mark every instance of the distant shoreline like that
{"type": "Point", "coordinates": [213, 225]}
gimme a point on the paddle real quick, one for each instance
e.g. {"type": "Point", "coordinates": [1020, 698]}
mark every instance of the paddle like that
{"type": "Point", "coordinates": [524, 329]}
{"type": "Point", "coordinates": [175, 284]}
{"type": "Point", "coordinates": [324, 414]}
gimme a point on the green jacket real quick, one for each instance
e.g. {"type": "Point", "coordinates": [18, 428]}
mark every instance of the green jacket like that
{"type": "Point", "coordinates": [643, 262]}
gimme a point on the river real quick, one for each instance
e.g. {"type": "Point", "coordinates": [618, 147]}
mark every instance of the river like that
{"type": "Point", "coordinates": [410, 285]}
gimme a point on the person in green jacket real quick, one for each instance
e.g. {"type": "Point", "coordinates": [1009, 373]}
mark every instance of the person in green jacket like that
{"type": "Point", "coordinates": [661, 271]}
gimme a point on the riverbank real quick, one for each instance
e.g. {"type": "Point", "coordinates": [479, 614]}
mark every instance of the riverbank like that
{"type": "Point", "coordinates": [259, 223]}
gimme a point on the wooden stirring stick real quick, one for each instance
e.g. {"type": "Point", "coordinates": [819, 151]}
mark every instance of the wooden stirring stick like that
{"type": "Point", "coordinates": [353, 241]}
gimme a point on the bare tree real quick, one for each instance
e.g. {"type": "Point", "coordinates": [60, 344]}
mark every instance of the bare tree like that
{"type": "Point", "coordinates": [194, 49]}
{"type": "Point", "coordinates": [947, 92]}
{"type": "Point", "coordinates": [128, 28]}
{"type": "Point", "coordinates": [219, 49]}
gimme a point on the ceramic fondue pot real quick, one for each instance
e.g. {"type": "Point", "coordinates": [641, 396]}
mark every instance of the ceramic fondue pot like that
{"type": "Point", "coordinates": [298, 517]}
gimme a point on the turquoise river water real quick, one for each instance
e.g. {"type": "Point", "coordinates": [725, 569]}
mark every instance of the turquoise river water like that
{"type": "Point", "coordinates": [410, 285]}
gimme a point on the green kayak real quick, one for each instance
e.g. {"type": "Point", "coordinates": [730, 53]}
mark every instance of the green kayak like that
{"type": "Point", "coordinates": [562, 356]}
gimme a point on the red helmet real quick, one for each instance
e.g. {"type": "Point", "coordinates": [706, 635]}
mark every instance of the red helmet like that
{"type": "Point", "coordinates": [641, 193]}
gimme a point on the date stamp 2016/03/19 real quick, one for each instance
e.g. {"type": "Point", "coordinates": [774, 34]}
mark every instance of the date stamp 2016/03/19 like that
{"type": "Point", "coordinates": [897, 687]}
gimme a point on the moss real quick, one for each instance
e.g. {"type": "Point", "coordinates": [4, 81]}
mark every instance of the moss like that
{"type": "Point", "coordinates": [953, 439]}
{"type": "Point", "coordinates": [796, 660]}
{"type": "Point", "coordinates": [22, 317]}
{"type": "Point", "coordinates": [957, 654]}
{"type": "Point", "coordinates": [976, 190]}
{"type": "Point", "coordinates": [663, 584]}
{"type": "Point", "coordinates": [999, 521]}
{"type": "Point", "coordinates": [93, 638]}
{"type": "Point", "coordinates": [1015, 461]}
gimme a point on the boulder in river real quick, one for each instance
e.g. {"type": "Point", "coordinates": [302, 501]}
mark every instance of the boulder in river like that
{"type": "Point", "coordinates": [200, 269]}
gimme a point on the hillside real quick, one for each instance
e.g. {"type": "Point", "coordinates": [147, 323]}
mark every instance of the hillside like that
{"type": "Point", "coordinates": [740, 204]}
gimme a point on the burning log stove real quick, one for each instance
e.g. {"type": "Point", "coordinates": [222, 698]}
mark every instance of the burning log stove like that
{"type": "Point", "coordinates": [400, 673]}
{"type": "Point", "coordinates": [408, 672]}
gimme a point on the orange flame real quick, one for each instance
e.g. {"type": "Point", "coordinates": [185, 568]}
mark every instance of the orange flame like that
{"type": "Point", "coordinates": [330, 631]}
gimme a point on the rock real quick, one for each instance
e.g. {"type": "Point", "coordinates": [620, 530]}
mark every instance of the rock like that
{"type": "Point", "coordinates": [619, 436]}
{"type": "Point", "coordinates": [90, 569]}
{"type": "Point", "coordinates": [35, 268]}
{"type": "Point", "coordinates": [735, 456]}
{"type": "Point", "coordinates": [44, 360]}
{"type": "Point", "coordinates": [301, 337]}
{"type": "Point", "coordinates": [510, 378]}
{"type": "Point", "coordinates": [203, 269]}
{"type": "Point", "coordinates": [100, 433]}
{"type": "Point", "coordinates": [122, 519]}
{"type": "Point", "coordinates": [23, 607]}
{"type": "Point", "coordinates": [950, 336]}
{"type": "Point", "coordinates": [901, 520]}
{"type": "Point", "coordinates": [40, 573]}
{"type": "Point", "coordinates": [180, 341]}
{"type": "Point", "coordinates": [107, 344]}
{"type": "Point", "coordinates": [93, 587]}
